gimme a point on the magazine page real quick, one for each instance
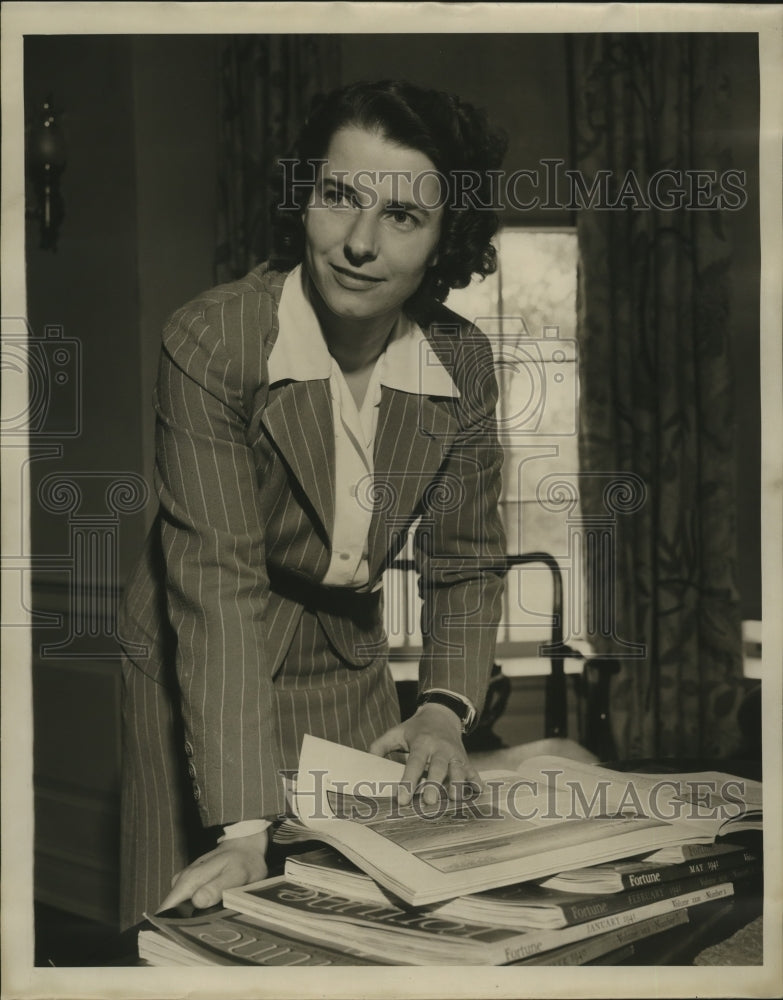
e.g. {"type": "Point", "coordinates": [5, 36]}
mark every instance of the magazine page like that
{"type": "Point", "coordinates": [549, 816]}
{"type": "Point", "coordinates": [703, 801]}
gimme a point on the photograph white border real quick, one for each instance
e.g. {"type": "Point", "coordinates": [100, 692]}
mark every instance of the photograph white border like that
{"type": "Point", "coordinates": [21, 979]}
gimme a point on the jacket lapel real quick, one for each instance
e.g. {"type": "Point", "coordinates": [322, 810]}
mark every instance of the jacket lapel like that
{"type": "Point", "coordinates": [414, 433]}
{"type": "Point", "coordinates": [298, 416]}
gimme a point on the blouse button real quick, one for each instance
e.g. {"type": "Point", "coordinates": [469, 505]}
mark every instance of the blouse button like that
{"type": "Point", "coordinates": [345, 555]}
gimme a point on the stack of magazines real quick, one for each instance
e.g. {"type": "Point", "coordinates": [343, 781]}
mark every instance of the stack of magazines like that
{"type": "Point", "coordinates": [558, 863]}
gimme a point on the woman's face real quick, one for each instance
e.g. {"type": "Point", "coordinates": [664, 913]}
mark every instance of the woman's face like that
{"type": "Point", "coordinates": [372, 224]}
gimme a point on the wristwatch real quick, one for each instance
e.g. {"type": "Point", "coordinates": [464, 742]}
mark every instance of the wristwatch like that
{"type": "Point", "coordinates": [464, 711]}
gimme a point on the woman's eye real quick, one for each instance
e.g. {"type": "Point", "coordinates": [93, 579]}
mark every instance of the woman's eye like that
{"type": "Point", "coordinates": [337, 199]}
{"type": "Point", "coordinates": [403, 219]}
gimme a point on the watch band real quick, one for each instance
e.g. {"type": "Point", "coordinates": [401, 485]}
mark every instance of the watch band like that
{"type": "Point", "coordinates": [466, 714]}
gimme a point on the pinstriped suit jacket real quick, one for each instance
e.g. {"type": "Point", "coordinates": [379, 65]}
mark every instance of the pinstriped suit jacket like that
{"type": "Point", "coordinates": [244, 477]}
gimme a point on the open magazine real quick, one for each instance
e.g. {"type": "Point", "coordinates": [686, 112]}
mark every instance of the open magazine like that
{"type": "Point", "coordinates": [549, 816]}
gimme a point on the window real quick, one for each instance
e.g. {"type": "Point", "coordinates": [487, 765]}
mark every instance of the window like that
{"type": "Point", "coordinates": [528, 311]}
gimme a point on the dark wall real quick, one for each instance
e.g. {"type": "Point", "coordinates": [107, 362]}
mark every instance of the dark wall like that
{"type": "Point", "coordinates": [176, 120]}
{"type": "Point", "coordinates": [521, 81]}
{"type": "Point", "coordinates": [89, 286]}
{"type": "Point", "coordinates": [140, 123]}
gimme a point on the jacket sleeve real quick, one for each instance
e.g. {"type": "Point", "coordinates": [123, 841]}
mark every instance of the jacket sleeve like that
{"type": "Point", "coordinates": [460, 541]}
{"type": "Point", "coordinates": [213, 543]}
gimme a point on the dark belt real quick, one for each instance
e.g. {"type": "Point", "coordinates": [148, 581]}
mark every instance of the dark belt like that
{"type": "Point", "coordinates": [361, 607]}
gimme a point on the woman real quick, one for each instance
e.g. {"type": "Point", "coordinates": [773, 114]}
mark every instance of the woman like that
{"type": "Point", "coordinates": [308, 414]}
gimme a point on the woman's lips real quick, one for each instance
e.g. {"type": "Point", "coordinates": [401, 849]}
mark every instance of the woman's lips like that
{"type": "Point", "coordinates": [353, 280]}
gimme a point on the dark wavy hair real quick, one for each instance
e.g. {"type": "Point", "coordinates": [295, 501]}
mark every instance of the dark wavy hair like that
{"type": "Point", "coordinates": [453, 134]}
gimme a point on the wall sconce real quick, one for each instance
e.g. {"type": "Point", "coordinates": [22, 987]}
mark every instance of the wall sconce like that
{"type": "Point", "coordinates": [45, 164]}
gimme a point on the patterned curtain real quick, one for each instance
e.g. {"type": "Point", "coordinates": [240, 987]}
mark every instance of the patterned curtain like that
{"type": "Point", "coordinates": [267, 83]}
{"type": "Point", "coordinates": [656, 389]}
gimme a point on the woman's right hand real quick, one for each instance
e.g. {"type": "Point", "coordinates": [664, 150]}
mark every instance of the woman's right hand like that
{"type": "Point", "coordinates": [235, 862]}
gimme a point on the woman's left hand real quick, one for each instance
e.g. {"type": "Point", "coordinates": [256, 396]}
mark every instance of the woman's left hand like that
{"type": "Point", "coordinates": [234, 862]}
{"type": "Point", "coordinates": [433, 740]}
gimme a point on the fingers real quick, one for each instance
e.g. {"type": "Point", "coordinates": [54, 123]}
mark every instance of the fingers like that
{"type": "Point", "coordinates": [454, 774]}
{"type": "Point", "coordinates": [415, 768]}
{"type": "Point", "coordinates": [392, 739]}
{"type": "Point", "coordinates": [435, 768]}
{"type": "Point", "coordinates": [441, 769]}
{"type": "Point", "coordinates": [470, 779]}
{"type": "Point", "coordinates": [210, 894]}
{"type": "Point", "coordinates": [230, 865]}
{"type": "Point", "coordinates": [436, 756]}
{"type": "Point", "coordinates": [189, 882]}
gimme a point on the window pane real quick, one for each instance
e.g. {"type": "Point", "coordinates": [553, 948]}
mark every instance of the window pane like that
{"type": "Point", "coordinates": [528, 311]}
{"type": "Point", "coordinates": [538, 277]}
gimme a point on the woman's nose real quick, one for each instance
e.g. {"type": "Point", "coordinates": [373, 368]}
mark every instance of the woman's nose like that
{"type": "Point", "coordinates": [361, 239]}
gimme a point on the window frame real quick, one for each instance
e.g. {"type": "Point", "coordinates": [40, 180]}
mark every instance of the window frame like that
{"type": "Point", "coordinates": [407, 646]}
